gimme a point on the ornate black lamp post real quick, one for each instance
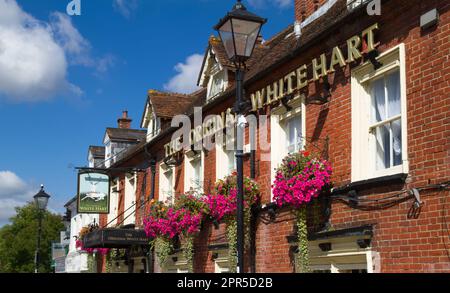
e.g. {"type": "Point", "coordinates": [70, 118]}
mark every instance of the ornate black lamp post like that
{"type": "Point", "coordinates": [41, 201]}
{"type": "Point", "coordinates": [239, 31]}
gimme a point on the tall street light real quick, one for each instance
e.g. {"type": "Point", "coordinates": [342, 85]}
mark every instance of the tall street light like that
{"type": "Point", "coordinates": [41, 201]}
{"type": "Point", "coordinates": [239, 31]}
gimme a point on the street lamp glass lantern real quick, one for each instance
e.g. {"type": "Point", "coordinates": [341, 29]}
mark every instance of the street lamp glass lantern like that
{"type": "Point", "coordinates": [239, 31]}
{"type": "Point", "coordinates": [41, 199]}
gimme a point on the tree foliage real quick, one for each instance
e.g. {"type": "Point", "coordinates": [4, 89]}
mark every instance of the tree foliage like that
{"type": "Point", "coordinates": [18, 240]}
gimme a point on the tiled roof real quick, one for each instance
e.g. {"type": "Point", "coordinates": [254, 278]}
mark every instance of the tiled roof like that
{"type": "Point", "coordinates": [220, 53]}
{"type": "Point", "coordinates": [167, 105]}
{"type": "Point", "coordinates": [126, 134]}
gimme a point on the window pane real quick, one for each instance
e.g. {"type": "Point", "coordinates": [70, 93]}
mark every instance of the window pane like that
{"type": "Point", "coordinates": [217, 84]}
{"type": "Point", "coordinates": [294, 134]}
{"type": "Point", "coordinates": [195, 167]}
{"type": "Point", "coordinates": [397, 142]}
{"type": "Point", "coordinates": [231, 161]}
{"type": "Point", "coordinates": [383, 155]}
{"type": "Point", "coordinates": [198, 172]}
{"type": "Point", "coordinates": [196, 180]}
{"type": "Point", "coordinates": [393, 89]}
{"type": "Point", "coordinates": [169, 176]}
{"type": "Point", "coordinates": [378, 101]}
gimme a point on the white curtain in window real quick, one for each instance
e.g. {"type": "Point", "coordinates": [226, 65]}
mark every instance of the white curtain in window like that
{"type": "Point", "coordinates": [169, 187]}
{"type": "Point", "coordinates": [386, 104]}
{"type": "Point", "coordinates": [393, 90]}
{"type": "Point", "coordinates": [294, 129]}
{"type": "Point", "coordinates": [397, 142]}
{"type": "Point", "coordinates": [383, 147]}
{"type": "Point", "coordinates": [231, 161]}
{"type": "Point", "coordinates": [197, 166]}
{"type": "Point", "coordinates": [379, 100]}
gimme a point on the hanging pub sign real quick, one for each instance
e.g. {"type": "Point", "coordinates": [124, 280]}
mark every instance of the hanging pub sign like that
{"type": "Point", "coordinates": [93, 193]}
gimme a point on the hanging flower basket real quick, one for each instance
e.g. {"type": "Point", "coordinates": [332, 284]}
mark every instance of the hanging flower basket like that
{"type": "Point", "coordinates": [300, 179]}
{"type": "Point", "coordinates": [222, 207]}
{"type": "Point", "coordinates": [167, 222]}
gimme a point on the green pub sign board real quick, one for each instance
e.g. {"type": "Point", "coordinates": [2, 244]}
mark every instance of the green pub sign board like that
{"type": "Point", "coordinates": [93, 193]}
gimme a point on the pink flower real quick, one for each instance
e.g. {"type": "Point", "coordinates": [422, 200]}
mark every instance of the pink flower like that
{"type": "Point", "coordinates": [79, 244]}
{"type": "Point", "coordinates": [304, 186]}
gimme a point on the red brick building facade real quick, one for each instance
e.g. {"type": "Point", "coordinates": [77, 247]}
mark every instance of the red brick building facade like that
{"type": "Point", "coordinates": [370, 221]}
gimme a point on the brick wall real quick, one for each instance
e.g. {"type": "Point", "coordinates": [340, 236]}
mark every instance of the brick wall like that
{"type": "Point", "coordinates": [304, 8]}
{"type": "Point", "coordinates": [403, 244]}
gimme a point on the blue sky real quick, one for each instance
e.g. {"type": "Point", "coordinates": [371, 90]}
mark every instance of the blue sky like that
{"type": "Point", "coordinates": [64, 79]}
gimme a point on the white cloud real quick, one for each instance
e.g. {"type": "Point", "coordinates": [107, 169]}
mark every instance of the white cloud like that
{"type": "Point", "coordinates": [125, 7]}
{"type": "Point", "coordinates": [263, 3]}
{"type": "Point", "coordinates": [10, 183]}
{"type": "Point", "coordinates": [32, 65]}
{"type": "Point", "coordinates": [35, 55]}
{"type": "Point", "coordinates": [103, 64]}
{"type": "Point", "coordinates": [14, 192]}
{"type": "Point", "coordinates": [186, 79]}
{"type": "Point", "coordinates": [70, 39]}
{"type": "Point", "coordinates": [76, 46]}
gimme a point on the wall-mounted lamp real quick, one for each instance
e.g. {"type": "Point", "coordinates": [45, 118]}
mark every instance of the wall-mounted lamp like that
{"type": "Point", "coordinates": [429, 19]}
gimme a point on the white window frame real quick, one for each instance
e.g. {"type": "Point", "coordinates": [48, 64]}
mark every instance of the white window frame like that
{"type": "Point", "coordinates": [180, 266]}
{"type": "Point", "coordinates": [114, 200]}
{"type": "Point", "coordinates": [221, 263]}
{"type": "Point", "coordinates": [130, 197]}
{"type": "Point", "coordinates": [278, 132]}
{"type": "Point", "coordinates": [154, 127]}
{"type": "Point", "coordinates": [288, 134]}
{"type": "Point", "coordinates": [164, 194]}
{"type": "Point", "coordinates": [222, 157]}
{"type": "Point", "coordinates": [345, 255]}
{"type": "Point", "coordinates": [215, 74]}
{"type": "Point", "coordinates": [189, 185]}
{"type": "Point", "coordinates": [108, 152]}
{"type": "Point", "coordinates": [363, 166]}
